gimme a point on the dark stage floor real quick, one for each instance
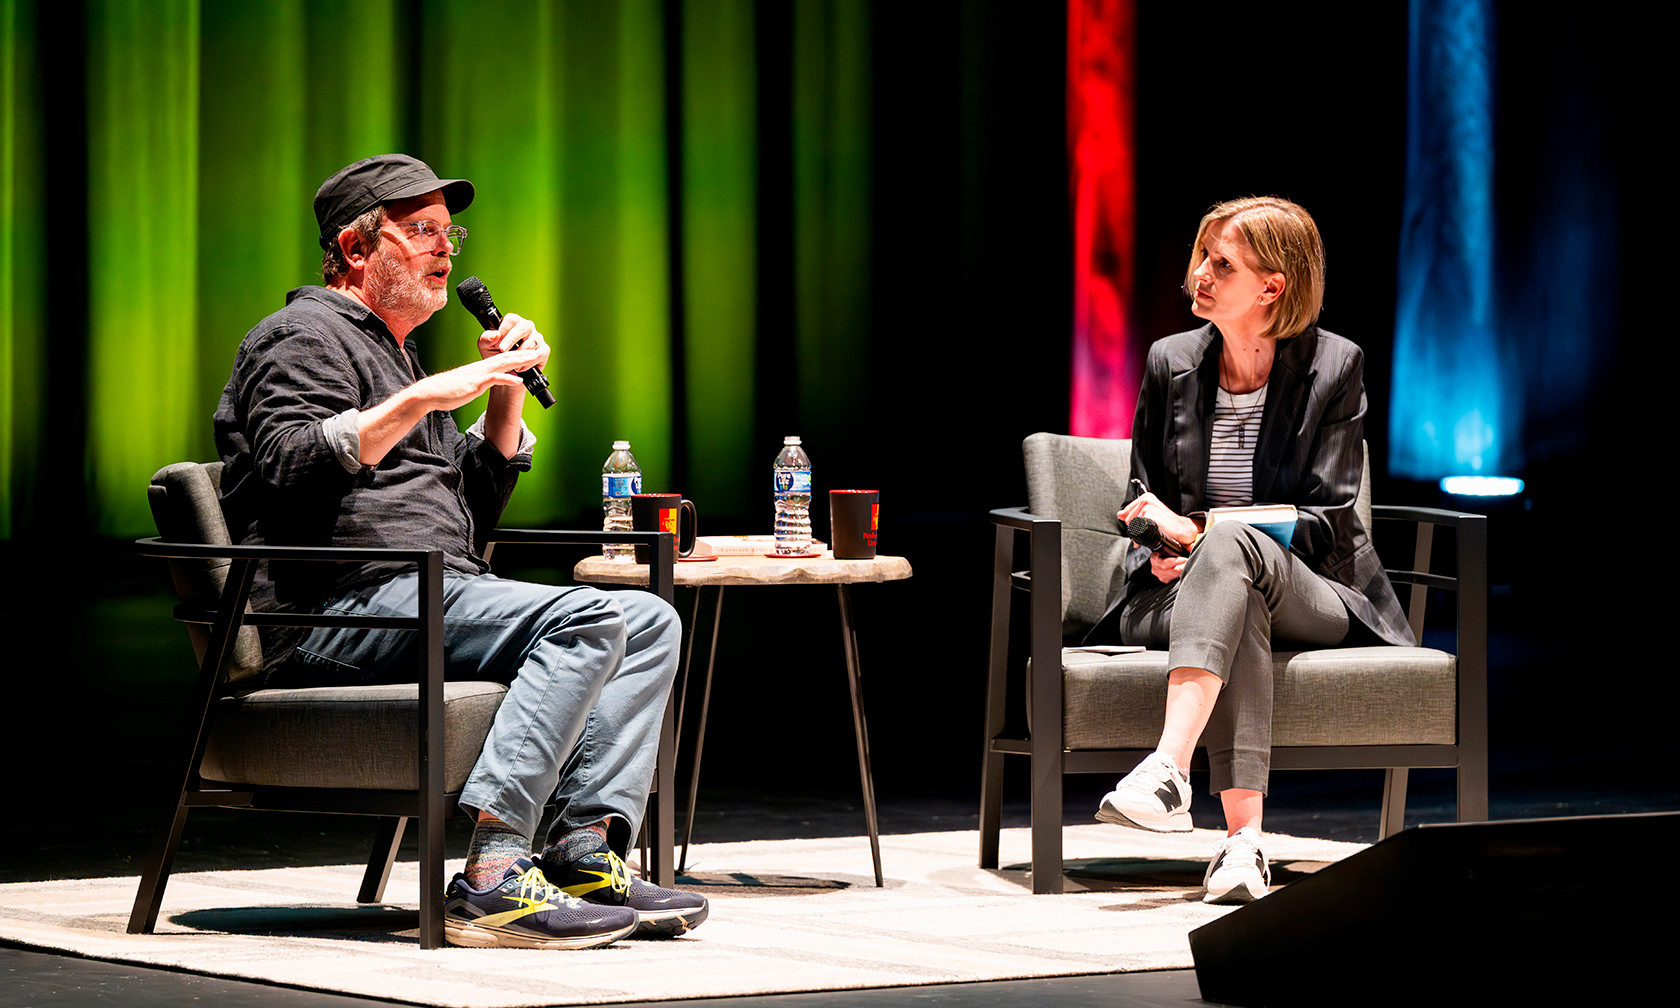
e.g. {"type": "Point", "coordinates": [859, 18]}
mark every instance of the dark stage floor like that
{"type": "Point", "coordinates": [1330, 805]}
{"type": "Point", "coordinates": [35, 978]}
{"type": "Point", "coordinates": [222, 839]}
{"type": "Point", "coordinates": [925, 721]}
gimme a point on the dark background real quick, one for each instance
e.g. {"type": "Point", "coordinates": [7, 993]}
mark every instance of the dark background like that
{"type": "Point", "coordinates": [970, 141]}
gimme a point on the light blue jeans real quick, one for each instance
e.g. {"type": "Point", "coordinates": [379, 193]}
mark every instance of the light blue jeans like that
{"type": "Point", "coordinates": [589, 673]}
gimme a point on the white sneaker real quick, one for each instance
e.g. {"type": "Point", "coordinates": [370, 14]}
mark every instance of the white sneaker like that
{"type": "Point", "coordinates": [1154, 796]}
{"type": "Point", "coordinates": [1238, 872]}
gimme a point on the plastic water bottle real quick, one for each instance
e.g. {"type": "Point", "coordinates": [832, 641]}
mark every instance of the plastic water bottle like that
{"type": "Point", "coordinates": [620, 478]}
{"type": "Point", "coordinates": [793, 498]}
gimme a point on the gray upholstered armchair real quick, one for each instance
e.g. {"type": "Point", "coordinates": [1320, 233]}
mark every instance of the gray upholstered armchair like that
{"type": "Point", "coordinates": [1377, 707]}
{"type": "Point", "coordinates": [394, 752]}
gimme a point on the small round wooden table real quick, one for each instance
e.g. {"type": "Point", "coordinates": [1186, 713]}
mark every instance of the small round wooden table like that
{"type": "Point", "coordinates": [728, 571]}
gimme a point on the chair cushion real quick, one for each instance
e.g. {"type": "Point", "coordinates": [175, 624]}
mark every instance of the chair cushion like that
{"type": "Point", "coordinates": [345, 736]}
{"type": "Point", "coordinates": [1334, 696]}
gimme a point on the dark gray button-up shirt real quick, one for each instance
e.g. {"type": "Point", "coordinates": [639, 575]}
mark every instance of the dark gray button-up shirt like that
{"type": "Point", "coordinates": [286, 431]}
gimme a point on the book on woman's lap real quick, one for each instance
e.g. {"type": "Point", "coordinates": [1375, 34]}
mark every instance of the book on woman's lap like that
{"type": "Point", "coordinates": [1276, 520]}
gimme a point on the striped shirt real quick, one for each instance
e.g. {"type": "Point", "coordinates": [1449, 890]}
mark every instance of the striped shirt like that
{"type": "Point", "coordinates": [1236, 432]}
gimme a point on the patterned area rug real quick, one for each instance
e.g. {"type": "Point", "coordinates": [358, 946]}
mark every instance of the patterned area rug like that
{"type": "Point", "coordinates": [787, 915]}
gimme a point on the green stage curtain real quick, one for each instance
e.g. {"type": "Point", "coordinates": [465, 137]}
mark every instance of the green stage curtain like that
{"type": "Point", "coordinates": [832, 210]}
{"type": "Point", "coordinates": [275, 125]}
{"type": "Point", "coordinates": [619, 152]}
{"type": "Point", "coordinates": [143, 133]}
{"type": "Point", "coordinates": [561, 126]}
{"type": "Point", "coordinates": [718, 255]}
{"type": "Point", "coordinates": [21, 362]}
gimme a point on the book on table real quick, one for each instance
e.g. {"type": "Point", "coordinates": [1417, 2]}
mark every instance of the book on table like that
{"type": "Point", "coordinates": [742, 545]}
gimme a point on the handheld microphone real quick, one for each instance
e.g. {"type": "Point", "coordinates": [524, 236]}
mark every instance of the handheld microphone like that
{"type": "Point", "coordinates": [1147, 534]}
{"type": "Point", "coordinates": [476, 298]}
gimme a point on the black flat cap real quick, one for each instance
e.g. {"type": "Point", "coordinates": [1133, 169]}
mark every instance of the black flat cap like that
{"type": "Point", "coordinates": [355, 189]}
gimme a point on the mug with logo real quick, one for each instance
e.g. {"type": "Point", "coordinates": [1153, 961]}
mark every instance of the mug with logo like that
{"type": "Point", "coordinates": [854, 516]}
{"type": "Point", "coordinates": [664, 512]}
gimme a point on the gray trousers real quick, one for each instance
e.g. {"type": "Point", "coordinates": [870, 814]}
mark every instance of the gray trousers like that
{"type": "Point", "coordinates": [1238, 593]}
{"type": "Point", "coordinates": [589, 673]}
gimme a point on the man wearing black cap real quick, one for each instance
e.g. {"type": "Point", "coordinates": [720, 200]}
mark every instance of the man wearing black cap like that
{"type": "Point", "coordinates": [331, 434]}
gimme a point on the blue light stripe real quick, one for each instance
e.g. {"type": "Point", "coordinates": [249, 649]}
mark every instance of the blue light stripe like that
{"type": "Point", "coordinates": [1451, 408]}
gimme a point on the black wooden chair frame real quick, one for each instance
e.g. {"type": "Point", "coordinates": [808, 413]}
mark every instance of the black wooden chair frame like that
{"type": "Point", "coordinates": [430, 805]}
{"type": "Point", "coordinates": [1040, 539]}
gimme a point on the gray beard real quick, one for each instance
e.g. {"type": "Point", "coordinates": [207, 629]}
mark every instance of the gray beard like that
{"type": "Point", "coordinates": [395, 290]}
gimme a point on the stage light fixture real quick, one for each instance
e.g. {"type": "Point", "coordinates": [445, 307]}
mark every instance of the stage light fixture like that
{"type": "Point", "coordinates": [1482, 486]}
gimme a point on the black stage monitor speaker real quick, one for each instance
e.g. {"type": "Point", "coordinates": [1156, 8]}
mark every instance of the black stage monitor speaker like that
{"type": "Point", "coordinates": [1525, 911]}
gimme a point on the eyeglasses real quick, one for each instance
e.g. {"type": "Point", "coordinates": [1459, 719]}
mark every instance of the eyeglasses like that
{"type": "Point", "coordinates": [456, 234]}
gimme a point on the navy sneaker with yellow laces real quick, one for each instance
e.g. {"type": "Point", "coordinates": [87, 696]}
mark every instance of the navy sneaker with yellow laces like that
{"type": "Point", "coordinates": [601, 877]}
{"type": "Point", "coordinates": [524, 910]}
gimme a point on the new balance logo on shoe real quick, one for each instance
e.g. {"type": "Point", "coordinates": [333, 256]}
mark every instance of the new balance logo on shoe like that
{"type": "Point", "coordinates": [1155, 796]}
{"type": "Point", "coordinates": [1238, 872]}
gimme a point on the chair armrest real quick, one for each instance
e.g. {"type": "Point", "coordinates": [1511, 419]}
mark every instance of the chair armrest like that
{"type": "Point", "coordinates": [1469, 584]}
{"type": "Point", "coordinates": [230, 615]}
{"type": "Point", "coordinates": [1042, 534]}
{"type": "Point", "coordinates": [157, 547]}
{"type": "Point", "coordinates": [245, 558]}
{"type": "Point", "coordinates": [1018, 518]}
{"type": "Point", "coordinates": [1429, 515]}
{"type": "Point", "coordinates": [1044, 552]}
{"type": "Point", "coordinates": [1469, 576]}
{"type": "Point", "coordinates": [661, 573]}
{"type": "Point", "coordinates": [1042, 581]}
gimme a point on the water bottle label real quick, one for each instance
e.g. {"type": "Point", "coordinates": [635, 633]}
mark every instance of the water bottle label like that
{"type": "Point", "coordinates": [621, 485]}
{"type": "Point", "coordinates": [792, 481]}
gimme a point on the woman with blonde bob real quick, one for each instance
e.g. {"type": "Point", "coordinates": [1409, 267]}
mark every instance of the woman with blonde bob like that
{"type": "Point", "coordinates": [1258, 406]}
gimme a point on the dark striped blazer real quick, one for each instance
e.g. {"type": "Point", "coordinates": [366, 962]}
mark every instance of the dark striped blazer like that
{"type": "Point", "coordinates": [1310, 454]}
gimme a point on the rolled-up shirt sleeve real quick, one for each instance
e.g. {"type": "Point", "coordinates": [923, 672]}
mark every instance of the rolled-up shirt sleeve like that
{"type": "Point", "coordinates": [345, 439]}
{"type": "Point", "coordinates": [298, 407]}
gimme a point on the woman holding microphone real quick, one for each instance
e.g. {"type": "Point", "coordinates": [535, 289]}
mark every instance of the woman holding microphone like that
{"type": "Point", "coordinates": [1258, 406]}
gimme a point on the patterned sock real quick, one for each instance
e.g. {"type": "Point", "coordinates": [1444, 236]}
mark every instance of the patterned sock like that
{"type": "Point", "coordinates": [577, 843]}
{"type": "Point", "coordinates": [493, 849]}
